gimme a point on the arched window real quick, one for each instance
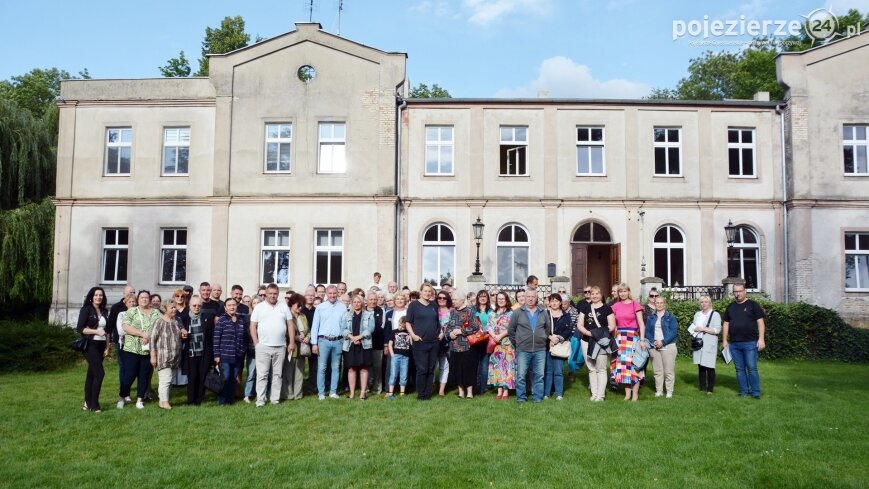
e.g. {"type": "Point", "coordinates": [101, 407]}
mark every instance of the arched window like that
{"type": "Point", "coordinates": [512, 254]}
{"type": "Point", "coordinates": [746, 252]}
{"type": "Point", "coordinates": [670, 256]}
{"type": "Point", "coordinates": [438, 254]}
{"type": "Point", "coordinates": [592, 232]}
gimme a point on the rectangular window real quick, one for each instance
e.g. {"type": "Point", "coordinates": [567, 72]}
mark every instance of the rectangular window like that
{"type": "Point", "coordinates": [333, 157]}
{"type": "Point", "coordinates": [589, 151]}
{"type": "Point", "coordinates": [116, 243]}
{"type": "Point", "coordinates": [328, 255]}
{"type": "Point", "coordinates": [279, 139]}
{"type": "Point", "coordinates": [119, 150]}
{"type": "Point", "coordinates": [857, 262]}
{"type": "Point", "coordinates": [438, 150]}
{"type": "Point", "coordinates": [740, 152]}
{"type": "Point", "coordinates": [668, 151]}
{"type": "Point", "coordinates": [173, 252]}
{"type": "Point", "coordinates": [275, 261]}
{"type": "Point", "coordinates": [854, 146]}
{"type": "Point", "coordinates": [176, 150]}
{"type": "Point", "coordinates": [514, 151]}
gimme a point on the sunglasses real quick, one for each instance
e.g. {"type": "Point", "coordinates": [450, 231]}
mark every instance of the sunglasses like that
{"type": "Point", "coordinates": [652, 296]}
{"type": "Point", "coordinates": [442, 298]}
{"type": "Point", "coordinates": [262, 295]}
{"type": "Point", "coordinates": [586, 292]}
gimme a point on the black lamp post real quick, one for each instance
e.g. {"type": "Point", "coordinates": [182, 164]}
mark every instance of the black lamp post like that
{"type": "Point", "coordinates": [731, 231]}
{"type": "Point", "coordinates": [478, 236]}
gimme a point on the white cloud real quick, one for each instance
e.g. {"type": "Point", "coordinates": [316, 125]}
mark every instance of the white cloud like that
{"type": "Point", "coordinates": [485, 12]}
{"type": "Point", "coordinates": [563, 78]}
{"type": "Point", "coordinates": [841, 7]}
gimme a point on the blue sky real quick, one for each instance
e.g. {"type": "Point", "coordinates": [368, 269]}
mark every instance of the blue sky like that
{"type": "Point", "coordinates": [474, 48]}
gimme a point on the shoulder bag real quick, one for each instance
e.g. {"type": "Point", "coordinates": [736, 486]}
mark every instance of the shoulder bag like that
{"type": "Point", "coordinates": [563, 349]}
{"type": "Point", "coordinates": [697, 340]}
{"type": "Point", "coordinates": [79, 344]}
{"type": "Point", "coordinates": [478, 337]}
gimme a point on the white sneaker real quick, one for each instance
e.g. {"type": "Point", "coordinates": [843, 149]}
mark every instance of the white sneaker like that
{"type": "Point", "coordinates": [559, 398]}
{"type": "Point", "coordinates": [247, 399]}
{"type": "Point", "coordinates": [140, 405]}
{"type": "Point", "coordinates": [321, 397]}
{"type": "Point", "coordinates": [659, 394]}
{"type": "Point", "coordinates": [121, 404]}
{"type": "Point", "coordinates": [334, 396]}
{"type": "Point", "coordinates": [260, 404]}
{"type": "Point", "coordinates": [669, 395]}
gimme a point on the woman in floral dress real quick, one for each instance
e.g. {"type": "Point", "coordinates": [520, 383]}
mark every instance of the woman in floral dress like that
{"type": "Point", "coordinates": [502, 361]}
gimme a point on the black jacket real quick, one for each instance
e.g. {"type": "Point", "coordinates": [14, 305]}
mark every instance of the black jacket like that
{"type": "Point", "coordinates": [89, 317]}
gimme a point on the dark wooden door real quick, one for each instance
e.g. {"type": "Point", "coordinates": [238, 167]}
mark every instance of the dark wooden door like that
{"type": "Point", "coordinates": [615, 264]}
{"type": "Point", "coordinates": [579, 266]}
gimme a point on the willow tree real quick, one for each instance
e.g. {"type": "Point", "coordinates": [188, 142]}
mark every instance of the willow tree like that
{"type": "Point", "coordinates": [28, 147]}
{"type": "Point", "coordinates": [26, 249]}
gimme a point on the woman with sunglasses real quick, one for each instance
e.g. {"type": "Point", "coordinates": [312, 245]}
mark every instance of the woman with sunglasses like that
{"type": "Point", "coordinates": [445, 309]}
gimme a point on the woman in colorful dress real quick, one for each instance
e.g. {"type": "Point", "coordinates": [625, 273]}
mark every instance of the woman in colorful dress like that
{"type": "Point", "coordinates": [502, 361]}
{"type": "Point", "coordinates": [463, 360]}
{"type": "Point", "coordinates": [631, 328]}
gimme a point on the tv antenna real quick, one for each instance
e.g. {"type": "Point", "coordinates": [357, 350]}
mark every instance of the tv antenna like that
{"type": "Point", "coordinates": [340, 9]}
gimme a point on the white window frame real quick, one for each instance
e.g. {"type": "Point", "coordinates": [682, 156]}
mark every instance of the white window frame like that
{"type": "Point", "coordinates": [178, 249]}
{"type": "Point", "coordinates": [739, 146]}
{"type": "Point", "coordinates": [117, 247]}
{"type": "Point", "coordinates": [855, 144]}
{"type": "Point", "coordinates": [667, 145]}
{"type": "Point", "coordinates": [181, 142]}
{"type": "Point", "coordinates": [739, 245]}
{"type": "Point", "coordinates": [439, 243]}
{"type": "Point", "coordinates": [439, 145]}
{"type": "Point", "coordinates": [277, 249]}
{"type": "Point", "coordinates": [330, 250]}
{"type": "Point", "coordinates": [514, 141]}
{"type": "Point", "coordinates": [120, 144]}
{"type": "Point", "coordinates": [332, 142]}
{"type": "Point", "coordinates": [855, 254]}
{"type": "Point", "coordinates": [587, 146]}
{"type": "Point", "coordinates": [669, 246]}
{"type": "Point", "coordinates": [514, 246]}
{"type": "Point", "coordinates": [279, 141]}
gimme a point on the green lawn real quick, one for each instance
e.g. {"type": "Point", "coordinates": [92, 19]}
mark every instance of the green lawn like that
{"type": "Point", "coordinates": [811, 429]}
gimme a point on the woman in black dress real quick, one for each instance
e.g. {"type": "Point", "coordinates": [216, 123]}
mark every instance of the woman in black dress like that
{"type": "Point", "coordinates": [357, 326]}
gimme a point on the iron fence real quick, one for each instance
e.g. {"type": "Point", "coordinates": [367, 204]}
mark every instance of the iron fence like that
{"type": "Point", "coordinates": [694, 292]}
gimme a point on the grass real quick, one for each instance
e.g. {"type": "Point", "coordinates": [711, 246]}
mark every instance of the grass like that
{"type": "Point", "coordinates": [811, 429]}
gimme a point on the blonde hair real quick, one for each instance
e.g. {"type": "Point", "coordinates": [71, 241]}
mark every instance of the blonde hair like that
{"type": "Point", "coordinates": [623, 286]}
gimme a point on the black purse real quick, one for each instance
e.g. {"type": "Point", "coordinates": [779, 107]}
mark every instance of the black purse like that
{"type": "Point", "coordinates": [214, 381]}
{"type": "Point", "coordinates": [697, 341]}
{"type": "Point", "coordinates": [79, 344]}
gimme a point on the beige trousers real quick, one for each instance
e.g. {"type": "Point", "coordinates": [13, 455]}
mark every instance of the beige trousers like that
{"type": "Point", "coordinates": [597, 379]}
{"type": "Point", "coordinates": [164, 382]}
{"type": "Point", "coordinates": [664, 366]}
{"type": "Point", "coordinates": [293, 378]}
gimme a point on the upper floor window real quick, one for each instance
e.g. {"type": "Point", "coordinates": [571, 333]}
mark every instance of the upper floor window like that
{"type": "Point", "coordinates": [512, 255]}
{"type": "Point", "coordinates": [589, 151]}
{"type": "Point", "coordinates": [275, 256]}
{"type": "Point", "coordinates": [740, 152]}
{"type": "Point", "coordinates": [279, 139]}
{"type": "Point", "coordinates": [438, 150]}
{"type": "Point", "coordinates": [333, 158]}
{"type": "Point", "coordinates": [173, 254]}
{"type": "Point", "coordinates": [438, 254]}
{"type": "Point", "coordinates": [854, 146]}
{"type": "Point", "coordinates": [669, 247]}
{"type": "Point", "coordinates": [116, 244]}
{"type": "Point", "coordinates": [514, 151]}
{"type": "Point", "coordinates": [328, 255]}
{"type": "Point", "coordinates": [119, 148]}
{"type": "Point", "coordinates": [176, 150]}
{"type": "Point", "coordinates": [857, 262]}
{"type": "Point", "coordinates": [668, 151]}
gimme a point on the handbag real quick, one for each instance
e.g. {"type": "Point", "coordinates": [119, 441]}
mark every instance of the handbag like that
{"type": "Point", "coordinates": [304, 349]}
{"type": "Point", "coordinates": [214, 381]}
{"type": "Point", "coordinates": [697, 341]}
{"type": "Point", "coordinates": [478, 337]}
{"type": "Point", "coordinates": [490, 348]}
{"type": "Point", "coordinates": [561, 350]}
{"type": "Point", "coordinates": [79, 344]}
{"type": "Point", "coordinates": [640, 357]}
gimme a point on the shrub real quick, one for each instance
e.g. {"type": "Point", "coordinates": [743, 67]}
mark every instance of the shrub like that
{"type": "Point", "coordinates": [36, 346]}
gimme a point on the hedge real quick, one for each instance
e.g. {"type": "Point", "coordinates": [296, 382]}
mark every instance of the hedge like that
{"type": "Point", "coordinates": [36, 346]}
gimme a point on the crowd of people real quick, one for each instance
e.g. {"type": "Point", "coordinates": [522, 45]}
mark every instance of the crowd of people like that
{"type": "Point", "coordinates": [384, 341]}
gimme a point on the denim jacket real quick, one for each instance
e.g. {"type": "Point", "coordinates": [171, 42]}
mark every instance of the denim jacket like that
{"type": "Point", "coordinates": [668, 324]}
{"type": "Point", "coordinates": [366, 328]}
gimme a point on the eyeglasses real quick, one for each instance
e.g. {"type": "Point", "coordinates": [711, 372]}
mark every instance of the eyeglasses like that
{"type": "Point", "coordinates": [442, 298]}
{"type": "Point", "coordinates": [586, 292]}
{"type": "Point", "coordinates": [261, 295]}
{"type": "Point", "coordinates": [652, 296]}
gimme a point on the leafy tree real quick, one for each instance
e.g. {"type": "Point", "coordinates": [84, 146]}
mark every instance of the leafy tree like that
{"type": "Point", "coordinates": [727, 75]}
{"type": "Point", "coordinates": [35, 90]}
{"type": "Point", "coordinates": [176, 67]}
{"type": "Point", "coordinates": [228, 37]}
{"type": "Point", "coordinates": [28, 147]}
{"type": "Point", "coordinates": [423, 91]}
{"type": "Point", "coordinates": [850, 22]}
{"type": "Point", "coordinates": [26, 244]}
{"type": "Point", "coordinates": [662, 94]}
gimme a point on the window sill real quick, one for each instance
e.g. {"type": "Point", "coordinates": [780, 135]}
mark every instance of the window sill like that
{"type": "Point", "coordinates": [742, 177]}
{"type": "Point", "coordinates": [451, 176]}
{"type": "Point", "coordinates": [856, 292]}
{"type": "Point", "coordinates": [285, 173]}
{"type": "Point", "coordinates": [514, 176]}
{"type": "Point", "coordinates": [855, 175]}
{"type": "Point", "coordinates": [186, 175]}
{"type": "Point", "coordinates": [669, 176]}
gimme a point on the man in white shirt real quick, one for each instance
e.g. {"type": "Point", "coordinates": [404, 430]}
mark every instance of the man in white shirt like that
{"type": "Point", "coordinates": [270, 326]}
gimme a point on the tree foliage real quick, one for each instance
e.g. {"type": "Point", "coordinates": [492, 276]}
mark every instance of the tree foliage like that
{"type": "Point", "coordinates": [37, 89]}
{"type": "Point", "coordinates": [228, 37]}
{"type": "Point", "coordinates": [176, 67]}
{"type": "Point", "coordinates": [26, 251]}
{"type": "Point", "coordinates": [28, 147]}
{"type": "Point", "coordinates": [851, 22]}
{"type": "Point", "coordinates": [727, 75]}
{"type": "Point", "coordinates": [423, 91]}
{"type": "Point", "coordinates": [662, 94]}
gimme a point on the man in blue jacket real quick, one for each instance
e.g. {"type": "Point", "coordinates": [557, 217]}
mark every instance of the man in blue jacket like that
{"type": "Point", "coordinates": [529, 334]}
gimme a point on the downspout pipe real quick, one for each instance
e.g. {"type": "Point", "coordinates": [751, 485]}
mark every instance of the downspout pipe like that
{"type": "Point", "coordinates": [400, 104]}
{"type": "Point", "coordinates": [779, 109]}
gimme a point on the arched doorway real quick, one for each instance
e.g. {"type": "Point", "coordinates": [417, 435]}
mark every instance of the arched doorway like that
{"type": "Point", "coordinates": [595, 259]}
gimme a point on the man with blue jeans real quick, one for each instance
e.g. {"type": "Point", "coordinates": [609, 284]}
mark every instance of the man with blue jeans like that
{"type": "Point", "coordinates": [527, 332]}
{"type": "Point", "coordinates": [743, 332]}
{"type": "Point", "coordinates": [327, 342]}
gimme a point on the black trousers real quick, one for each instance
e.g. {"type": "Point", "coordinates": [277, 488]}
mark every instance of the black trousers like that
{"type": "Point", "coordinates": [425, 357]}
{"type": "Point", "coordinates": [707, 378]}
{"type": "Point", "coordinates": [93, 381]}
{"type": "Point", "coordinates": [197, 367]}
{"type": "Point", "coordinates": [312, 374]}
{"type": "Point", "coordinates": [138, 368]}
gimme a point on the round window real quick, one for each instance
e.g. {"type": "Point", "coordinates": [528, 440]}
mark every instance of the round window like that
{"type": "Point", "coordinates": [306, 73]}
